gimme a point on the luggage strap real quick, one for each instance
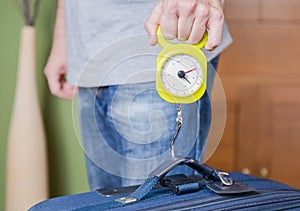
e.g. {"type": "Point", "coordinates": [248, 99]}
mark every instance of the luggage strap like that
{"type": "Point", "coordinates": [158, 174]}
{"type": "Point", "coordinates": [210, 175]}
{"type": "Point", "coordinates": [137, 195]}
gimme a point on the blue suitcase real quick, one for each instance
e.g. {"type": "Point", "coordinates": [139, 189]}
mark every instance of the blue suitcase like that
{"type": "Point", "coordinates": [212, 189]}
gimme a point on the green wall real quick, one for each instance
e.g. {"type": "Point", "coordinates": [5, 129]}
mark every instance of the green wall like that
{"type": "Point", "coordinates": [66, 162]}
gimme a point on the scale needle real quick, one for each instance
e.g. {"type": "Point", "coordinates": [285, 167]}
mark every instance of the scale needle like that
{"type": "Point", "coordinates": [191, 70]}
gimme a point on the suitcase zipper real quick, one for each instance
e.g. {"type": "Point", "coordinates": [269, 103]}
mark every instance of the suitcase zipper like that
{"type": "Point", "coordinates": [194, 203]}
{"type": "Point", "coordinates": [258, 201]}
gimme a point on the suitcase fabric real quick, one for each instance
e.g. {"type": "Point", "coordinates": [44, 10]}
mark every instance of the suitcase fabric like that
{"type": "Point", "coordinates": [179, 192]}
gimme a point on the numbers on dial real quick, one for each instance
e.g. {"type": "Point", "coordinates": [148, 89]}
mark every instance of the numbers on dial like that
{"type": "Point", "coordinates": [181, 75]}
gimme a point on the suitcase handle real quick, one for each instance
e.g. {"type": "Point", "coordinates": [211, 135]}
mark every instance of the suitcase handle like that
{"type": "Point", "coordinates": [207, 172]}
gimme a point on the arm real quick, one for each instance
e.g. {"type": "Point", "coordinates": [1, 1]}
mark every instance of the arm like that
{"type": "Point", "coordinates": [187, 20]}
{"type": "Point", "coordinates": [56, 67]}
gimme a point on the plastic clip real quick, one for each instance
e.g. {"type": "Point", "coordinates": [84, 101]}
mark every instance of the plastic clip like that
{"type": "Point", "coordinates": [180, 184]}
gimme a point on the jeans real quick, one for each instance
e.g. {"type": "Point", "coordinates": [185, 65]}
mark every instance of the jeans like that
{"type": "Point", "coordinates": [126, 132]}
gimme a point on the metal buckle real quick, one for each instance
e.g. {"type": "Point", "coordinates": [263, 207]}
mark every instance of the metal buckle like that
{"type": "Point", "coordinates": [126, 200]}
{"type": "Point", "coordinates": [179, 121]}
{"type": "Point", "coordinates": [225, 178]}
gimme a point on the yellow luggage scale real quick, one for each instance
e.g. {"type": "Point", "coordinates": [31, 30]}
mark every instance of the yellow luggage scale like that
{"type": "Point", "coordinates": [181, 71]}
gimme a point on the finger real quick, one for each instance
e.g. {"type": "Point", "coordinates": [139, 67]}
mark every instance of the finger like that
{"type": "Point", "coordinates": [184, 27]}
{"type": "Point", "coordinates": [152, 23]}
{"type": "Point", "coordinates": [199, 25]}
{"type": "Point", "coordinates": [197, 32]}
{"type": "Point", "coordinates": [186, 18]}
{"type": "Point", "coordinates": [169, 20]}
{"type": "Point", "coordinates": [169, 26]}
{"type": "Point", "coordinates": [214, 36]}
{"type": "Point", "coordinates": [54, 84]}
{"type": "Point", "coordinates": [215, 26]}
{"type": "Point", "coordinates": [68, 90]}
{"type": "Point", "coordinates": [58, 87]}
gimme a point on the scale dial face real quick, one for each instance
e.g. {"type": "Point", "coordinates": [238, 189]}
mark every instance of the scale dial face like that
{"type": "Point", "coordinates": [181, 75]}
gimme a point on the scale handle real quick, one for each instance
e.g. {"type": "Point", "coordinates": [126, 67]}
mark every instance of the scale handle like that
{"type": "Point", "coordinates": [163, 42]}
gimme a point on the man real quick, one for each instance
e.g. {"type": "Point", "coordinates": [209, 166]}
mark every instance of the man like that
{"type": "Point", "coordinates": [126, 127]}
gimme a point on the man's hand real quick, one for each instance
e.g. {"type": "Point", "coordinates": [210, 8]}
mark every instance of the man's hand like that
{"type": "Point", "coordinates": [55, 71]}
{"type": "Point", "coordinates": [56, 67]}
{"type": "Point", "coordinates": [187, 20]}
